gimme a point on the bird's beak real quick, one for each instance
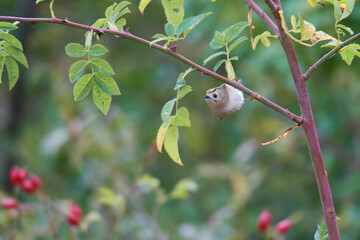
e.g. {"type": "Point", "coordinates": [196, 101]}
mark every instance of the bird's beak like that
{"type": "Point", "coordinates": [206, 97]}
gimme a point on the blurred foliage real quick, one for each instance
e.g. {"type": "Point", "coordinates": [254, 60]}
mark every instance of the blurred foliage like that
{"type": "Point", "coordinates": [77, 151]}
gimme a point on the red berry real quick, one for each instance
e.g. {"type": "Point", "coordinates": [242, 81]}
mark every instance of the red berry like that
{"type": "Point", "coordinates": [76, 210]}
{"type": "Point", "coordinates": [17, 175]}
{"type": "Point", "coordinates": [264, 221]}
{"type": "Point", "coordinates": [283, 226]}
{"type": "Point", "coordinates": [36, 181]}
{"type": "Point", "coordinates": [28, 187]}
{"type": "Point", "coordinates": [73, 220]}
{"type": "Point", "coordinates": [9, 203]}
{"type": "Point", "coordinates": [74, 217]}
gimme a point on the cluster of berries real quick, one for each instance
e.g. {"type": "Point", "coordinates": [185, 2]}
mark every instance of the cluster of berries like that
{"type": "Point", "coordinates": [264, 222]}
{"type": "Point", "coordinates": [18, 177]}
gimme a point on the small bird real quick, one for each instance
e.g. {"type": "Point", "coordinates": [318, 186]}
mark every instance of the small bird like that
{"type": "Point", "coordinates": [224, 100]}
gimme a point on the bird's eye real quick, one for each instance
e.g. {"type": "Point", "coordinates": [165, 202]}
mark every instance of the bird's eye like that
{"type": "Point", "coordinates": [215, 95]}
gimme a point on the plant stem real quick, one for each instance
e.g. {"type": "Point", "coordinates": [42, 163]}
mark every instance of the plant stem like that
{"type": "Point", "coordinates": [172, 52]}
{"type": "Point", "coordinates": [329, 55]}
{"type": "Point", "coordinates": [308, 126]}
{"type": "Point", "coordinates": [263, 15]}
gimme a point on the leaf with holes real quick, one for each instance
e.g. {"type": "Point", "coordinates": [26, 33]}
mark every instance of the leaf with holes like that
{"type": "Point", "coordinates": [83, 87]}
{"type": "Point", "coordinates": [174, 11]}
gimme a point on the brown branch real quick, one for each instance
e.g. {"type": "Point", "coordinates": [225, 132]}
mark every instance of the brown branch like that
{"type": "Point", "coordinates": [308, 126]}
{"type": "Point", "coordinates": [263, 15]}
{"type": "Point", "coordinates": [329, 55]}
{"type": "Point", "coordinates": [172, 52]}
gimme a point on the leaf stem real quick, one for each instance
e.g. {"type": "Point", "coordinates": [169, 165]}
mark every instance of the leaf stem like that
{"type": "Point", "coordinates": [173, 53]}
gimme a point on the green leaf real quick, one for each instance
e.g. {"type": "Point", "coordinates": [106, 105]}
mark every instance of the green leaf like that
{"type": "Point", "coordinates": [213, 56]}
{"type": "Point", "coordinates": [161, 133]}
{"type": "Point", "coordinates": [190, 23]}
{"type": "Point", "coordinates": [99, 23]}
{"type": "Point", "coordinates": [159, 35]}
{"type": "Point", "coordinates": [108, 197]}
{"type": "Point", "coordinates": [167, 109]}
{"type": "Point", "coordinates": [17, 54]}
{"type": "Point", "coordinates": [143, 4]}
{"type": "Point", "coordinates": [183, 91]}
{"type": "Point", "coordinates": [97, 50]}
{"type": "Point", "coordinates": [75, 50]}
{"type": "Point", "coordinates": [293, 21]}
{"type": "Point", "coordinates": [160, 39]}
{"type": "Point", "coordinates": [323, 230]}
{"type": "Point", "coordinates": [120, 14]}
{"type": "Point", "coordinates": [218, 64]}
{"type": "Point", "coordinates": [101, 66]}
{"type": "Point", "coordinates": [237, 42]}
{"type": "Point", "coordinates": [220, 37]}
{"type": "Point", "coordinates": [182, 117]}
{"type": "Point", "coordinates": [349, 30]}
{"type": "Point", "coordinates": [77, 69]}
{"type": "Point", "coordinates": [7, 37]}
{"type": "Point", "coordinates": [101, 99]}
{"type": "Point", "coordinates": [120, 24]}
{"type": "Point", "coordinates": [215, 45]}
{"type": "Point", "coordinates": [236, 58]}
{"type": "Point", "coordinates": [307, 29]}
{"type": "Point", "coordinates": [180, 83]}
{"type": "Point", "coordinates": [12, 71]}
{"type": "Point", "coordinates": [147, 183]}
{"type": "Point", "coordinates": [107, 84]}
{"type": "Point", "coordinates": [120, 10]}
{"type": "Point", "coordinates": [312, 2]}
{"type": "Point", "coordinates": [260, 37]}
{"type": "Point", "coordinates": [39, 1]}
{"type": "Point", "coordinates": [337, 10]}
{"type": "Point", "coordinates": [183, 188]}
{"type": "Point", "coordinates": [83, 87]}
{"type": "Point", "coordinates": [174, 11]}
{"type": "Point", "coordinates": [265, 41]}
{"type": "Point", "coordinates": [109, 10]}
{"type": "Point", "coordinates": [234, 30]}
{"type": "Point", "coordinates": [169, 29]}
{"type": "Point", "coordinates": [7, 26]}
{"type": "Point", "coordinates": [321, 36]}
{"type": "Point", "coordinates": [349, 52]}
{"type": "Point", "coordinates": [350, 4]}
{"type": "Point", "coordinates": [171, 144]}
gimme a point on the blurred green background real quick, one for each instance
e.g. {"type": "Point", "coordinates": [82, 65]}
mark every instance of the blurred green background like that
{"type": "Point", "coordinates": [76, 150]}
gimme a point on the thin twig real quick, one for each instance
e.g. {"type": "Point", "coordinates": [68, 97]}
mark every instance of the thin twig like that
{"type": "Point", "coordinates": [263, 15]}
{"type": "Point", "coordinates": [281, 135]}
{"type": "Point", "coordinates": [172, 52]}
{"type": "Point", "coordinates": [329, 55]}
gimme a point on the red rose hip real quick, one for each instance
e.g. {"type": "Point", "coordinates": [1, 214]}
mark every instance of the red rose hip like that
{"type": "Point", "coordinates": [264, 221]}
